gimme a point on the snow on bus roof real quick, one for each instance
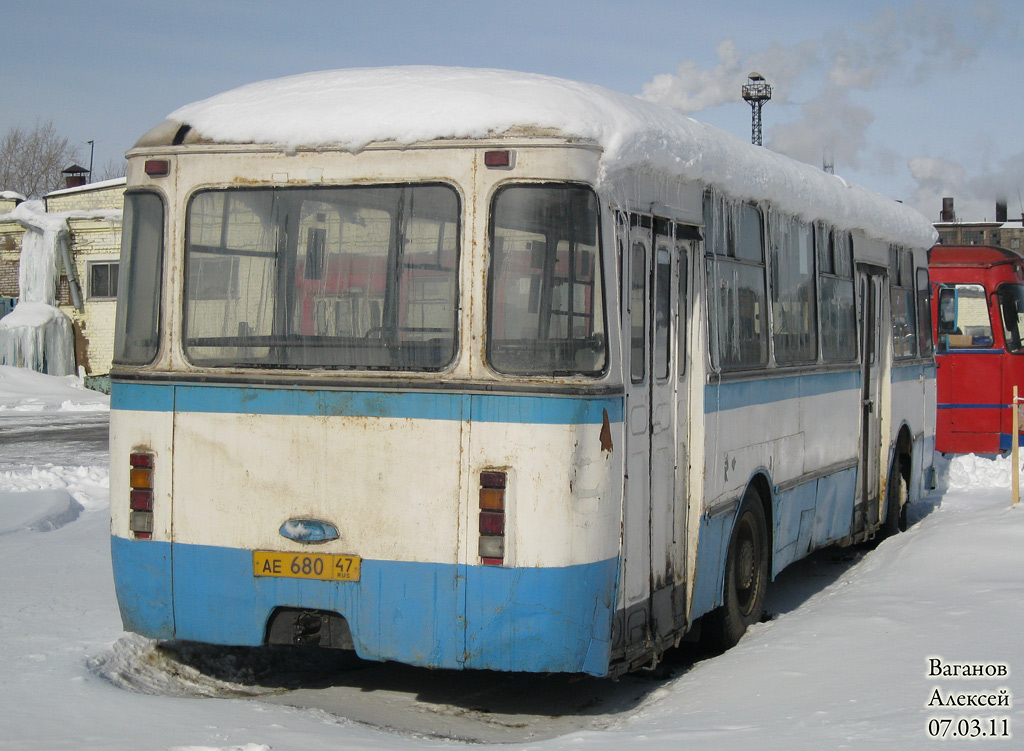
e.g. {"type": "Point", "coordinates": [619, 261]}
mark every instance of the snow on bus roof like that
{"type": "Point", "coordinates": [352, 108]}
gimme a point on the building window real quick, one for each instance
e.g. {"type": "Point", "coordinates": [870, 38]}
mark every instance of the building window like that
{"type": "Point", "coordinates": [103, 280]}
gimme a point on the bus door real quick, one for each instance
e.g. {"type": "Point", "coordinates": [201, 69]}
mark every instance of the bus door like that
{"type": "Point", "coordinates": [971, 365]}
{"type": "Point", "coordinates": [873, 326]}
{"type": "Point", "coordinates": [653, 532]}
{"type": "Point", "coordinates": [669, 421]}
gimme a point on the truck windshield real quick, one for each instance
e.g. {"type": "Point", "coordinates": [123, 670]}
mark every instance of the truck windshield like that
{"type": "Point", "coordinates": [1011, 310]}
{"type": "Point", "coordinates": [328, 277]}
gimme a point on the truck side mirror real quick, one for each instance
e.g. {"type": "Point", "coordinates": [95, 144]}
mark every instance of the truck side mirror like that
{"type": "Point", "coordinates": [947, 310]}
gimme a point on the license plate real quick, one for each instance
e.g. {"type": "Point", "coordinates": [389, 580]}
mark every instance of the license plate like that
{"type": "Point", "coordinates": [326, 566]}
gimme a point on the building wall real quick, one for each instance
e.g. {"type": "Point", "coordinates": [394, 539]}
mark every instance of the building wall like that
{"type": "Point", "coordinates": [91, 241]}
{"type": "Point", "coordinates": [1010, 235]}
{"type": "Point", "coordinates": [11, 234]}
{"type": "Point", "coordinates": [104, 195]}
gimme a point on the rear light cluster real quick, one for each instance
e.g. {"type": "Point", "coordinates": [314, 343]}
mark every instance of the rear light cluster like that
{"type": "Point", "coordinates": [140, 480]}
{"type": "Point", "coordinates": [492, 517]}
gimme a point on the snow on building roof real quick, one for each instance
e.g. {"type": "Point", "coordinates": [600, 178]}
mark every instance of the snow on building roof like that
{"type": "Point", "coordinates": [99, 185]}
{"type": "Point", "coordinates": [34, 214]}
{"type": "Point", "coordinates": [350, 109]}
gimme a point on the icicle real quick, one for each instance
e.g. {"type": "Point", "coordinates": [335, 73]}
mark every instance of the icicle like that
{"type": "Point", "coordinates": [37, 334]}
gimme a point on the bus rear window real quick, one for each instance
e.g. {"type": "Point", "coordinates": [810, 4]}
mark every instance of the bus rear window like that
{"type": "Point", "coordinates": [328, 277]}
{"type": "Point", "coordinates": [546, 297]}
{"type": "Point", "coordinates": [137, 327]}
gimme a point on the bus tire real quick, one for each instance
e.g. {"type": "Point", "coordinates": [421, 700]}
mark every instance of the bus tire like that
{"type": "Point", "coordinates": [896, 500]}
{"type": "Point", "coordinates": [746, 575]}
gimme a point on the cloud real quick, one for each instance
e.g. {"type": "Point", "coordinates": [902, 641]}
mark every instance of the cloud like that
{"type": "Point", "coordinates": [692, 89]}
{"type": "Point", "coordinates": [909, 45]}
{"type": "Point", "coordinates": [830, 124]}
{"type": "Point", "coordinates": [975, 194]}
{"type": "Point", "coordinates": [830, 83]}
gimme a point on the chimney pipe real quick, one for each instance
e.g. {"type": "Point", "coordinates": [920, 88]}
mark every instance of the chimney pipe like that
{"type": "Point", "coordinates": [74, 176]}
{"type": "Point", "coordinates": [1001, 211]}
{"type": "Point", "coordinates": [947, 214]}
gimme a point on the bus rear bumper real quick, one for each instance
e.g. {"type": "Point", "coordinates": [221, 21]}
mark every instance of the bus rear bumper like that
{"type": "Point", "coordinates": [428, 614]}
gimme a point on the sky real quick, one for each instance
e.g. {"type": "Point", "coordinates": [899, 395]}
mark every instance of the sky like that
{"type": "Point", "coordinates": [915, 100]}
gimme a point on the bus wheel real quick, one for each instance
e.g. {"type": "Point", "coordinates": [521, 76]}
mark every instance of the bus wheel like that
{"type": "Point", "coordinates": [896, 500]}
{"type": "Point", "coordinates": [746, 575]}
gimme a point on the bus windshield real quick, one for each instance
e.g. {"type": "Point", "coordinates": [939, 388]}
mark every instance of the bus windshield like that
{"type": "Point", "coordinates": [325, 277]}
{"type": "Point", "coordinates": [1011, 309]}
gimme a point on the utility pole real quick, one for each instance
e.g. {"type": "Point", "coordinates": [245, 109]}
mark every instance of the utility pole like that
{"type": "Point", "coordinates": [756, 92]}
{"type": "Point", "coordinates": [92, 147]}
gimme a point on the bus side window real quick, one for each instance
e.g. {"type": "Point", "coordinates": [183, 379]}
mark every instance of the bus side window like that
{"type": "Point", "coordinates": [836, 301]}
{"type": "Point", "coordinates": [902, 302]}
{"type": "Point", "coordinates": [637, 307]}
{"type": "Point", "coordinates": [738, 325]}
{"type": "Point", "coordinates": [924, 312]}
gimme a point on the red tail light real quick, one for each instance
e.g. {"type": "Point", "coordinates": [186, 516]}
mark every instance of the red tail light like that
{"type": "Point", "coordinates": [499, 159]}
{"type": "Point", "coordinates": [140, 498]}
{"type": "Point", "coordinates": [492, 518]}
{"type": "Point", "coordinates": [492, 523]}
{"type": "Point", "coordinates": [158, 167]}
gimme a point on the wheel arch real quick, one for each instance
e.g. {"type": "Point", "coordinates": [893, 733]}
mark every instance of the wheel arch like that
{"type": "Point", "coordinates": [734, 612]}
{"type": "Point", "coordinates": [760, 483]}
{"type": "Point", "coordinates": [716, 532]}
{"type": "Point", "coordinates": [902, 451]}
{"type": "Point", "coordinates": [901, 457]}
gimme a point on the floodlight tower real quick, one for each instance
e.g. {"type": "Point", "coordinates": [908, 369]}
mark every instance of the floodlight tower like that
{"type": "Point", "coordinates": [756, 91]}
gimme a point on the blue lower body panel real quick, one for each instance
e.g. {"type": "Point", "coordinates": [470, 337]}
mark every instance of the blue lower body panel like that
{"type": "Point", "coordinates": [429, 614]}
{"type": "Point", "coordinates": [1006, 443]}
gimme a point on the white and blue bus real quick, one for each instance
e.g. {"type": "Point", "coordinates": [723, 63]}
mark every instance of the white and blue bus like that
{"type": "Point", "coordinates": [473, 369]}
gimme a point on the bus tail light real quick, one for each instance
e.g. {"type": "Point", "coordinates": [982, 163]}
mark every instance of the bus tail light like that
{"type": "Point", "coordinates": [504, 159]}
{"type": "Point", "coordinates": [140, 480]}
{"type": "Point", "coordinates": [158, 167]}
{"type": "Point", "coordinates": [492, 517]}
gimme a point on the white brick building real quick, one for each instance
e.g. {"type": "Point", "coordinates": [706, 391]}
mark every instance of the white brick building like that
{"type": "Point", "coordinates": [87, 295]}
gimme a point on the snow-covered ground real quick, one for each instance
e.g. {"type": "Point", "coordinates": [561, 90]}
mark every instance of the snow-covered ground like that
{"type": "Point", "coordinates": [843, 665]}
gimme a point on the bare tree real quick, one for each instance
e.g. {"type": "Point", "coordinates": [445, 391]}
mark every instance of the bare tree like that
{"type": "Point", "coordinates": [113, 168]}
{"type": "Point", "coordinates": [31, 161]}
